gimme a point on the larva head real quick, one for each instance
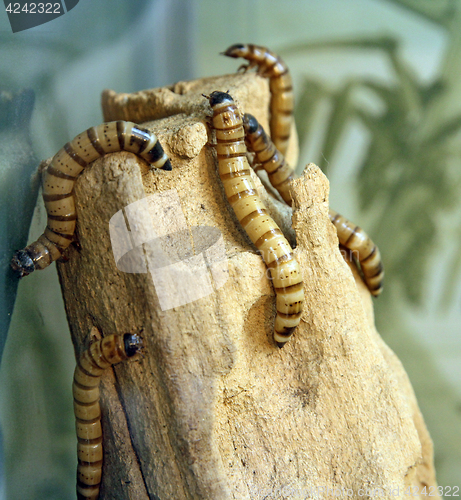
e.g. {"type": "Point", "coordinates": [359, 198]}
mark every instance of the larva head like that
{"type": "Point", "coordinates": [250, 123]}
{"type": "Point", "coordinates": [132, 343]}
{"type": "Point", "coordinates": [22, 263]}
{"type": "Point", "coordinates": [217, 98]}
{"type": "Point", "coordinates": [236, 50]}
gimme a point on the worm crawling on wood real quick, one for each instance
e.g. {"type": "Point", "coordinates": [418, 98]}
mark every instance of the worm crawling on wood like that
{"type": "Point", "coordinates": [90, 366]}
{"type": "Point", "coordinates": [59, 180]}
{"type": "Point", "coordinates": [356, 240]}
{"type": "Point", "coordinates": [280, 175]}
{"type": "Point", "coordinates": [282, 103]}
{"type": "Point", "coordinates": [268, 156]}
{"type": "Point", "coordinates": [252, 214]}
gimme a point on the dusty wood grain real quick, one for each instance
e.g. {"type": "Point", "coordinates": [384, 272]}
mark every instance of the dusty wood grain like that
{"type": "Point", "coordinates": [215, 410]}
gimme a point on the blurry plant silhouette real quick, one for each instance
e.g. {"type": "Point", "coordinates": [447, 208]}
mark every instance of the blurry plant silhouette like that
{"type": "Point", "coordinates": [409, 174]}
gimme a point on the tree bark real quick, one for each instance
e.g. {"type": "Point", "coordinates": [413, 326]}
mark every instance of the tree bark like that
{"type": "Point", "coordinates": [214, 409]}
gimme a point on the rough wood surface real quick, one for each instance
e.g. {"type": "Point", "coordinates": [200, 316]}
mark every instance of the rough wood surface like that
{"type": "Point", "coordinates": [215, 410]}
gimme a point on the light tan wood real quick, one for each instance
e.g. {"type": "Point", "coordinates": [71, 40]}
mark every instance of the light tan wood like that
{"type": "Point", "coordinates": [215, 410]}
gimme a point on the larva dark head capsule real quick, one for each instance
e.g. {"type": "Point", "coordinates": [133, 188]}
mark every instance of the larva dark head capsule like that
{"type": "Point", "coordinates": [250, 124]}
{"type": "Point", "coordinates": [22, 263]}
{"type": "Point", "coordinates": [167, 166]}
{"type": "Point", "coordinates": [132, 343]}
{"type": "Point", "coordinates": [218, 97]}
{"type": "Point", "coordinates": [236, 50]}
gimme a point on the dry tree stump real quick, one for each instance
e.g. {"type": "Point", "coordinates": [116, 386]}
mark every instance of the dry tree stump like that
{"type": "Point", "coordinates": [215, 410]}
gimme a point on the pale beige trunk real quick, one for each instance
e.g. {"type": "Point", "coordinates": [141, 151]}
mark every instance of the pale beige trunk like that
{"type": "Point", "coordinates": [215, 410]}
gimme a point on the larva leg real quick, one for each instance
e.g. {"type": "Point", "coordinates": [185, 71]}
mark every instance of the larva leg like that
{"type": "Point", "coordinates": [280, 175]}
{"type": "Point", "coordinates": [282, 103]}
{"type": "Point", "coordinates": [100, 355]}
{"type": "Point", "coordinates": [59, 180]}
{"type": "Point", "coordinates": [241, 193]}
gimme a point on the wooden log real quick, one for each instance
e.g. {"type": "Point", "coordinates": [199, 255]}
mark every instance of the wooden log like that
{"type": "Point", "coordinates": [215, 410]}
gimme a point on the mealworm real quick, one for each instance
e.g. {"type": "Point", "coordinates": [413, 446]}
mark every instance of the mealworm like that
{"type": "Point", "coordinates": [356, 240]}
{"type": "Point", "coordinates": [280, 175]}
{"type": "Point", "coordinates": [87, 376]}
{"type": "Point", "coordinates": [59, 180]}
{"type": "Point", "coordinates": [252, 214]}
{"type": "Point", "coordinates": [272, 160]}
{"type": "Point", "coordinates": [270, 65]}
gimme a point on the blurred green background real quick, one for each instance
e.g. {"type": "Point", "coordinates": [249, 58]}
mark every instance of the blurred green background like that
{"type": "Point", "coordinates": [378, 95]}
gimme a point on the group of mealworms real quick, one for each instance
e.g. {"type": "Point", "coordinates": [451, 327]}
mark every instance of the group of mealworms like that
{"type": "Point", "coordinates": [236, 134]}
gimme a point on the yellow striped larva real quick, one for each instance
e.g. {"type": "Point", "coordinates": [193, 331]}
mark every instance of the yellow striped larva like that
{"type": "Point", "coordinates": [90, 366]}
{"type": "Point", "coordinates": [252, 214]}
{"type": "Point", "coordinates": [60, 177]}
{"type": "Point", "coordinates": [270, 65]}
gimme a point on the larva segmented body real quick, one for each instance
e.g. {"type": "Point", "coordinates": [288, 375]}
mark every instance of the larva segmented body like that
{"type": "Point", "coordinates": [252, 214]}
{"type": "Point", "coordinates": [272, 160]}
{"type": "Point", "coordinates": [356, 239]}
{"type": "Point", "coordinates": [59, 180]}
{"type": "Point", "coordinates": [87, 376]}
{"type": "Point", "coordinates": [280, 175]}
{"type": "Point", "coordinates": [270, 65]}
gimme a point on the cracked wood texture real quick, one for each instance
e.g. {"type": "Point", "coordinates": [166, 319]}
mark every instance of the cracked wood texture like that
{"type": "Point", "coordinates": [215, 410]}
